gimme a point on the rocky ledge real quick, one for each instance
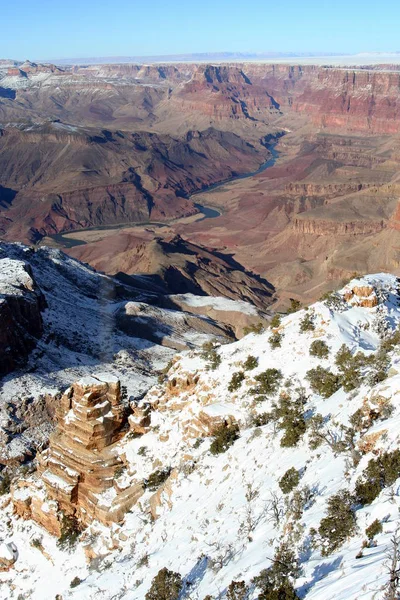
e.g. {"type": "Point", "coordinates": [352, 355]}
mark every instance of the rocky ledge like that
{"type": "Point", "coordinates": [21, 304]}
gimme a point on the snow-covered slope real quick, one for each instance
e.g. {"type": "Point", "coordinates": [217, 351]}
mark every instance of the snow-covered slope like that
{"type": "Point", "coordinates": [220, 517]}
{"type": "Point", "coordinates": [91, 323]}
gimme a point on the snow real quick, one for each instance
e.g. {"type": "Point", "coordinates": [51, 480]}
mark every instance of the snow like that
{"type": "Point", "coordinates": [57, 482]}
{"type": "Point", "coordinates": [14, 278]}
{"type": "Point", "coordinates": [217, 303]}
{"type": "Point", "coordinates": [202, 529]}
{"type": "Point", "coordinates": [7, 551]}
{"type": "Point", "coordinates": [81, 338]}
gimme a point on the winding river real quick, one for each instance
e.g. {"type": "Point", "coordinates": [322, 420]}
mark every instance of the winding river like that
{"type": "Point", "coordinates": [209, 212]}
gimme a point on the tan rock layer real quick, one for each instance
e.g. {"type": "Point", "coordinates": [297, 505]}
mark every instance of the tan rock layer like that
{"type": "Point", "coordinates": [82, 460]}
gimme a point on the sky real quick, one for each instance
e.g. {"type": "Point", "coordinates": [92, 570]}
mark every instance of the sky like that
{"type": "Point", "coordinates": [50, 29]}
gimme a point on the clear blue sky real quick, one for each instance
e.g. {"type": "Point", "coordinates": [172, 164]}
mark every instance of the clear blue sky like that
{"type": "Point", "coordinates": [46, 29]}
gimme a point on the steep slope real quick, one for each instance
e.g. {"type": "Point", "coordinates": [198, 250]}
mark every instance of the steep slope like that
{"type": "Point", "coordinates": [325, 210]}
{"type": "Point", "coordinates": [57, 177]}
{"type": "Point", "coordinates": [176, 266]}
{"type": "Point", "coordinates": [68, 321]}
{"type": "Point", "coordinates": [220, 516]}
{"type": "Point", "coordinates": [129, 143]}
{"type": "Point", "coordinates": [21, 305]}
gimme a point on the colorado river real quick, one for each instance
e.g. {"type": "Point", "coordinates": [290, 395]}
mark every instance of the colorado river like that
{"type": "Point", "coordinates": [209, 212]}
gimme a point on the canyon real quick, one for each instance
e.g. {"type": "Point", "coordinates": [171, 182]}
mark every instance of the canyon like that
{"type": "Point", "coordinates": [97, 146]}
{"type": "Point", "coordinates": [168, 406]}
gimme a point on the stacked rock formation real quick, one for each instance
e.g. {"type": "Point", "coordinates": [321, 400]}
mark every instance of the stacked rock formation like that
{"type": "Point", "coordinates": [77, 473]}
{"type": "Point", "coordinates": [364, 296]}
{"type": "Point", "coordinates": [87, 472]}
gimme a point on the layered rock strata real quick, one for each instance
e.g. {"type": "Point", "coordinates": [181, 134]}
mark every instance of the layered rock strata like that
{"type": "Point", "coordinates": [93, 471]}
{"type": "Point", "coordinates": [77, 474]}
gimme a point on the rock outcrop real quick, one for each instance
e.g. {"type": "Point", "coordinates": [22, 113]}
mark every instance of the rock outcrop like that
{"type": "Point", "coordinates": [241, 316]}
{"type": "Point", "coordinates": [77, 474]}
{"type": "Point", "coordinates": [306, 225]}
{"type": "Point", "coordinates": [21, 304]}
{"type": "Point", "coordinates": [365, 296]}
{"type": "Point", "coordinates": [87, 470]}
{"type": "Point", "coordinates": [8, 555]}
{"type": "Point", "coordinates": [175, 266]}
{"type": "Point", "coordinates": [99, 177]}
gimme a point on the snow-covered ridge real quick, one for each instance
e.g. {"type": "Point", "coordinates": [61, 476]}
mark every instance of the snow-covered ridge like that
{"type": "Point", "coordinates": [213, 520]}
{"type": "Point", "coordinates": [90, 323]}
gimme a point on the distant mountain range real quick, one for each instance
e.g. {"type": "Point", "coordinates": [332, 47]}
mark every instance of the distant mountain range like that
{"type": "Point", "coordinates": [195, 57]}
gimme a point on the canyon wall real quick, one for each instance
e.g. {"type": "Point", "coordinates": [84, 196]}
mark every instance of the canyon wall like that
{"type": "Point", "coordinates": [21, 304]}
{"type": "Point", "coordinates": [334, 98]}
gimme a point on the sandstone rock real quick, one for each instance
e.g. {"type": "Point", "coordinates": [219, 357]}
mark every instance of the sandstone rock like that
{"type": "Point", "coordinates": [163, 494]}
{"type": "Point", "coordinates": [77, 473]}
{"type": "Point", "coordinates": [140, 418]}
{"type": "Point", "coordinates": [332, 227]}
{"type": "Point", "coordinates": [362, 296]}
{"type": "Point", "coordinates": [207, 421]}
{"type": "Point", "coordinates": [8, 555]}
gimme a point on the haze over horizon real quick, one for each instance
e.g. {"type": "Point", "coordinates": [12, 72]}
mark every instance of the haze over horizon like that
{"type": "Point", "coordinates": [318, 58]}
{"type": "Point", "coordinates": [123, 29]}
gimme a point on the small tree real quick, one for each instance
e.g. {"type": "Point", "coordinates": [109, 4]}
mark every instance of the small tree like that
{"type": "Point", "coordinates": [275, 509]}
{"type": "Point", "coordinates": [379, 366]}
{"type": "Point", "coordinates": [5, 483]}
{"type": "Point", "coordinates": [379, 473]}
{"type": "Point", "coordinates": [289, 480]}
{"type": "Point", "coordinates": [75, 582]}
{"type": "Point", "coordinates": [267, 383]}
{"type": "Point", "coordinates": [260, 419]}
{"type": "Point", "coordinates": [333, 301]}
{"type": "Point", "coordinates": [285, 591]}
{"type": "Point", "coordinates": [224, 437]}
{"type": "Point", "coordinates": [285, 565]}
{"type": "Point", "coordinates": [256, 328]}
{"type": "Point", "coordinates": [166, 585]}
{"type": "Point", "coordinates": [350, 367]}
{"type": "Point", "coordinates": [323, 382]}
{"type": "Point", "coordinates": [307, 322]}
{"type": "Point", "coordinates": [374, 529]}
{"type": "Point", "coordinates": [339, 522]}
{"type": "Point", "coordinates": [210, 354]}
{"type": "Point", "coordinates": [275, 340]}
{"type": "Point", "coordinates": [236, 381]}
{"type": "Point", "coordinates": [391, 342]}
{"type": "Point", "coordinates": [288, 414]}
{"type": "Point", "coordinates": [393, 568]}
{"type": "Point", "coordinates": [295, 305]}
{"type": "Point", "coordinates": [319, 348]}
{"type": "Point", "coordinates": [337, 436]}
{"type": "Point", "coordinates": [343, 357]}
{"type": "Point", "coordinates": [237, 590]}
{"type": "Point", "coordinates": [276, 582]}
{"type": "Point", "coordinates": [157, 478]}
{"type": "Point", "coordinates": [70, 532]}
{"type": "Point", "coordinates": [250, 363]}
{"type": "Point", "coordinates": [275, 321]}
